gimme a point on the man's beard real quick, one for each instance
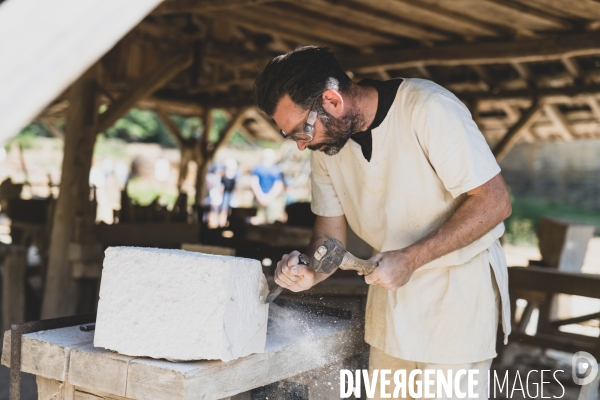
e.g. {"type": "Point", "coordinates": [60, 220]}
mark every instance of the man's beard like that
{"type": "Point", "coordinates": [337, 131]}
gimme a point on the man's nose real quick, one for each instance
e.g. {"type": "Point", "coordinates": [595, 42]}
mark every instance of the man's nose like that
{"type": "Point", "coordinates": [302, 145]}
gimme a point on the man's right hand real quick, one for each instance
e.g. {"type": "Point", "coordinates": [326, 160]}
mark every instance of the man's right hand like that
{"type": "Point", "coordinates": [292, 275]}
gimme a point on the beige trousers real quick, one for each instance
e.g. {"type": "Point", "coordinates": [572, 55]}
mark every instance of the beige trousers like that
{"type": "Point", "coordinates": [378, 360]}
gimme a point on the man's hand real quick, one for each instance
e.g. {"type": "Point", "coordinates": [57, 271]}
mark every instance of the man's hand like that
{"type": "Point", "coordinates": [394, 270]}
{"type": "Point", "coordinates": [292, 275]}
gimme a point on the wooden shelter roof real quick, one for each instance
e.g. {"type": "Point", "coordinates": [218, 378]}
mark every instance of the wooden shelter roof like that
{"type": "Point", "coordinates": [507, 59]}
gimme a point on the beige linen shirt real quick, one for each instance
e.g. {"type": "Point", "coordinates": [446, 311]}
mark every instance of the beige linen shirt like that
{"type": "Point", "coordinates": [427, 153]}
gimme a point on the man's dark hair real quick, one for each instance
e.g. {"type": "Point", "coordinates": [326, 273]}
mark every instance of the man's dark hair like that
{"type": "Point", "coordinates": [303, 74]}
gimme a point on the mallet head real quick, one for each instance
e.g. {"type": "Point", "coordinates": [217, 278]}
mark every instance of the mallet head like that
{"type": "Point", "coordinates": [328, 256]}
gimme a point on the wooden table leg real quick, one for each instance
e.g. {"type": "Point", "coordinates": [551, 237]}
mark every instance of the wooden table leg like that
{"type": "Point", "coordinates": [50, 389]}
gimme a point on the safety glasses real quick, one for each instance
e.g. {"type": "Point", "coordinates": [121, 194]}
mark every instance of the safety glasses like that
{"type": "Point", "coordinates": [308, 129]}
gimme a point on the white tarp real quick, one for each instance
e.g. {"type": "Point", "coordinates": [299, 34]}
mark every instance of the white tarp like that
{"type": "Point", "coordinates": [45, 45]}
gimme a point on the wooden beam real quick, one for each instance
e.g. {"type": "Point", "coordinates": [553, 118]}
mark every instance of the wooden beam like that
{"type": "Point", "coordinates": [515, 133]}
{"type": "Point", "coordinates": [173, 106]}
{"type": "Point", "coordinates": [594, 106]}
{"type": "Point", "coordinates": [195, 6]}
{"type": "Point", "coordinates": [229, 129]}
{"type": "Point", "coordinates": [424, 71]}
{"type": "Point", "coordinates": [513, 116]}
{"type": "Point", "coordinates": [144, 87]}
{"type": "Point", "coordinates": [580, 9]}
{"type": "Point", "coordinates": [530, 50]}
{"type": "Point", "coordinates": [523, 71]}
{"type": "Point", "coordinates": [550, 95]}
{"type": "Point", "coordinates": [437, 17]}
{"type": "Point", "coordinates": [256, 24]}
{"type": "Point", "coordinates": [322, 27]}
{"type": "Point", "coordinates": [572, 66]}
{"type": "Point", "coordinates": [544, 20]}
{"type": "Point", "coordinates": [523, 21]}
{"type": "Point", "coordinates": [371, 19]}
{"type": "Point", "coordinates": [171, 126]}
{"type": "Point", "coordinates": [550, 280]}
{"type": "Point", "coordinates": [559, 121]}
{"type": "Point", "coordinates": [53, 129]}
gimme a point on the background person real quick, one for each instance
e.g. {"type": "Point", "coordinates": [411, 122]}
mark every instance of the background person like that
{"type": "Point", "coordinates": [267, 185]}
{"type": "Point", "coordinates": [228, 181]}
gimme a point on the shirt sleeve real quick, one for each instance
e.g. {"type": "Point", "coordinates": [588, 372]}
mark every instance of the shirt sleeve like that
{"type": "Point", "coordinates": [325, 201]}
{"type": "Point", "coordinates": [455, 147]}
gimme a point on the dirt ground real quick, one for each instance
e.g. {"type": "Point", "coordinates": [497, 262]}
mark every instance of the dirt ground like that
{"type": "Point", "coordinates": [28, 386]}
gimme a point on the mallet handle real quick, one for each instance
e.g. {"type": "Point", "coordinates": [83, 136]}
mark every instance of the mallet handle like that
{"type": "Point", "coordinates": [353, 263]}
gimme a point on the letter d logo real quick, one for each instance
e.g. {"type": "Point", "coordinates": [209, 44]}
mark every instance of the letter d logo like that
{"type": "Point", "coordinates": [585, 368]}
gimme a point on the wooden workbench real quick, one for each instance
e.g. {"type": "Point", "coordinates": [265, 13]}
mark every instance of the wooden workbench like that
{"type": "Point", "coordinates": [308, 349]}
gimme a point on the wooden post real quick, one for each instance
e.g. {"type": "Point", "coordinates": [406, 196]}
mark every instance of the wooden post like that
{"type": "Point", "coordinates": [13, 287]}
{"type": "Point", "coordinates": [60, 292]}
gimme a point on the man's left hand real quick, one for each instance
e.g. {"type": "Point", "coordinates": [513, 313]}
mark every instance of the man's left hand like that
{"type": "Point", "coordinates": [394, 270]}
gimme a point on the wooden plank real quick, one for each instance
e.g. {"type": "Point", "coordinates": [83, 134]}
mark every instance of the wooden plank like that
{"type": "Point", "coordinates": [503, 14]}
{"type": "Point", "coordinates": [530, 50]}
{"type": "Point", "coordinates": [48, 389]}
{"type": "Point", "coordinates": [38, 65]}
{"type": "Point", "coordinates": [516, 131]}
{"type": "Point", "coordinates": [584, 9]}
{"type": "Point", "coordinates": [414, 10]}
{"type": "Point", "coordinates": [296, 343]}
{"type": "Point", "coordinates": [144, 87]}
{"type": "Point", "coordinates": [46, 353]}
{"type": "Point", "coordinates": [257, 25]}
{"type": "Point", "coordinates": [109, 375]}
{"type": "Point", "coordinates": [372, 19]}
{"type": "Point", "coordinates": [559, 121]}
{"type": "Point", "coordinates": [549, 280]}
{"type": "Point", "coordinates": [194, 6]}
{"type": "Point", "coordinates": [13, 288]}
{"type": "Point", "coordinates": [281, 360]}
{"type": "Point", "coordinates": [320, 26]}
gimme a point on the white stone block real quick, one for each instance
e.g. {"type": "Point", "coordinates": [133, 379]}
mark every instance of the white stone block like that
{"type": "Point", "coordinates": [181, 305]}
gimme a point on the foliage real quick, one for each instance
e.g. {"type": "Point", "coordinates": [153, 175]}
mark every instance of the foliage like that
{"type": "Point", "coordinates": [110, 147]}
{"type": "Point", "coordinates": [143, 193]}
{"type": "Point", "coordinates": [141, 126]}
{"type": "Point", "coordinates": [26, 138]}
{"type": "Point", "coordinates": [521, 225]}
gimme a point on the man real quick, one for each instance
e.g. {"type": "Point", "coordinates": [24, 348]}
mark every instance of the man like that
{"type": "Point", "coordinates": [267, 185]}
{"type": "Point", "coordinates": [419, 184]}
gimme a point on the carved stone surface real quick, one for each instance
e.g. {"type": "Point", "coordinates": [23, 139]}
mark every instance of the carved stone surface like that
{"type": "Point", "coordinates": [181, 305]}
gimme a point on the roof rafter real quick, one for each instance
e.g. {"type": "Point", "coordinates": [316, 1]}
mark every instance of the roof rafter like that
{"type": "Point", "coordinates": [373, 19]}
{"type": "Point", "coordinates": [435, 16]}
{"type": "Point", "coordinates": [195, 6]}
{"type": "Point", "coordinates": [478, 53]}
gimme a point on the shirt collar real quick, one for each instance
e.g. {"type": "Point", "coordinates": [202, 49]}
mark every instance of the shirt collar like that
{"type": "Point", "coordinates": [386, 94]}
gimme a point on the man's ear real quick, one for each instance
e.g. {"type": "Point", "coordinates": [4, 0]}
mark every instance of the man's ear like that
{"type": "Point", "coordinates": [333, 103]}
